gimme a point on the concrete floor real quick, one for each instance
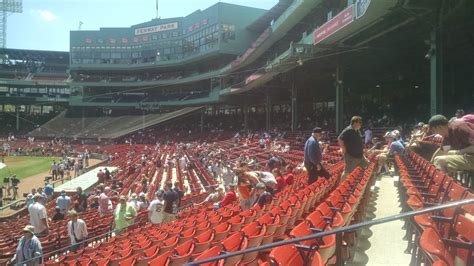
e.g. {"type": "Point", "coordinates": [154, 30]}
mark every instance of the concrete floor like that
{"type": "Point", "coordinates": [381, 244]}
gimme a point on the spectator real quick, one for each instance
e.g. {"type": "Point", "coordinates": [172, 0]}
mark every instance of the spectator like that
{"type": "Point", "coordinates": [39, 216]}
{"type": "Point", "coordinates": [263, 197]}
{"type": "Point", "coordinates": [101, 176]}
{"type": "Point", "coordinates": [54, 170]}
{"type": "Point", "coordinates": [459, 114]}
{"type": "Point", "coordinates": [289, 177]}
{"type": "Point", "coordinates": [351, 144]}
{"type": "Point", "coordinates": [15, 181]}
{"type": "Point", "coordinates": [457, 150]}
{"type": "Point", "coordinates": [124, 214]}
{"type": "Point", "coordinates": [171, 203]}
{"type": "Point", "coordinates": [105, 205]}
{"type": "Point", "coordinates": [155, 210]}
{"type": "Point", "coordinates": [368, 136]}
{"type": "Point", "coordinates": [230, 197]}
{"type": "Point", "coordinates": [28, 248]}
{"type": "Point", "coordinates": [57, 215]}
{"type": "Point", "coordinates": [134, 201]}
{"type": "Point", "coordinates": [107, 174]}
{"type": "Point", "coordinates": [313, 155]}
{"type": "Point", "coordinates": [48, 191]}
{"type": "Point", "coordinates": [80, 204]}
{"type": "Point", "coordinates": [142, 202]}
{"type": "Point", "coordinates": [275, 162]}
{"type": "Point", "coordinates": [63, 202]}
{"type": "Point", "coordinates": [29, 200]}
{"type": "Point", "coordinates": [394, 145]}
{"type": "Point", "coordinates": [213, 197]}
{"type": "Point", "coordinates": [279, 179]}
{"type": "Point", "coordinates": [77, 231]}
{"type": "Point", "coordinates": [245, 186]}
{"type": "Point", "coordinates": [179, 192]}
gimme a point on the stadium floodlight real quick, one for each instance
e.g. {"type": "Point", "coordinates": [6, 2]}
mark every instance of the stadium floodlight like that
{"type": "Point", "coordinates": [7, 7]}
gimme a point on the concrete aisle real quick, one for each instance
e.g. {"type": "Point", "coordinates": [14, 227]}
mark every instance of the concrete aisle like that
{"type": "Point", "coordinates": [381, 244]}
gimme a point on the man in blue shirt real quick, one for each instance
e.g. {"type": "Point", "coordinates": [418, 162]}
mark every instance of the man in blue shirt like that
{"type": "Point", "coordinates": [63, 202]}
{"type": "Point", "coordinates": [48, 190]}
{"type": "Point", "coordinates": [395, 146]}
{"type": "Point", "coordinates": [313, 155]}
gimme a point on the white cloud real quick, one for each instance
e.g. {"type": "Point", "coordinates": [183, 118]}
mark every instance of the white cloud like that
{"type": "Point", "coordinates": [45, 15]}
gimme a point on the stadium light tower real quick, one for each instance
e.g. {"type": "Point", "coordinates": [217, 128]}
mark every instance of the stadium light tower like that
{"type": "Point", "coordinates": [7, 7]}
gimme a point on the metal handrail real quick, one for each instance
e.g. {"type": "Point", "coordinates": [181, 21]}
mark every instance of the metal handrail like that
{"type": "Point", "coordinates": [337, 231]}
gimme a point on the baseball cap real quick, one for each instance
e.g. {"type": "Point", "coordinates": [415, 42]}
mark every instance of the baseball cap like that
{"type": "Point", "coordinates": [260, 186]}
{"type": "Point", "coordinates": [317, 130]}
{"type": "Point", "coordinates": [30, 229]}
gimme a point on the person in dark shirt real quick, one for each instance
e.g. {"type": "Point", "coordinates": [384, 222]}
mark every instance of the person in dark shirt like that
{"type": "Point", "coordinates": [457, 150]}
{"type": "Point", "coordinates": [350, 141]}
{"type": "Point", "coordinates": [263, 197]}
{"type": "Point", "coordinates": [80, 203]}
{"type": "Point", "coordinates": [179, 192]}
{"type": "Point", "coordinates": [58, 215]}
{"type": "Point", "coordinates": [313, 155]}
{"type": "Point", "coordinates": [170, 208]}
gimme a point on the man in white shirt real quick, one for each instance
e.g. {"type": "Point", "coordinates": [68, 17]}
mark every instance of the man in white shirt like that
{"type": "Point", "coordinates": [182, 164]}
{"type": "Point", "coordinates": [39, 216]}
{"type": "Point", "coordinates": [367, 135]}
{"type": "Point", "coordinates": [77, 231]}
{"type": "Point", "coordinates": [155, 210]}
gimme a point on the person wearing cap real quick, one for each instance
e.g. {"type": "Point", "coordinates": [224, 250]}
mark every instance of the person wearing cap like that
{"type": "Point", "coordinates": [80, 203]}
{"type": "Point", "coordinates": [28, 250]}
{"type": "Point", "coordinates": [313, 155]}
{"type": "Point", "coordinates": [77, 231]}
{"type": "Point", "coordinates": [48, 191]}
{"type": "Point", "coordinates": [263, 197]}
{"type": "Point", "coordinates": [457, 150]}
{"type": "Point", "coordinates": [142, 202]}
{"type": "Point", "coordinates": [38, 215]}
{"type": "Point", "coordinates": [15, 181]}
{"type": "Point", "coordinates": [394, 146]}
{"type": "Point", "coordinates": [105, 205]}
{"type": "Point", "coordinates": [170, 208]}
{"type": "Point", "coordinates": [350, 141]}
{"type": "Point", "coordinates": [134, 200]}
{"type": "Point", "coordinates": [230, 197]}
{"type": "Point", "coordinates": [124, 214]}
{"type": "Point", "coordinates": [459, 114]}
{"type": "Point", "coordinates": [29, 200]}
{"type": "Point", "coordinates": [155, 210]}
{"type": "Point", "coordinates": [63, 202]}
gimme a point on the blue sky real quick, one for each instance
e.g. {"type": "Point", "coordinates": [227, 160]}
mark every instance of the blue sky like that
{"type": "Point", "coordinates": [45, 24]}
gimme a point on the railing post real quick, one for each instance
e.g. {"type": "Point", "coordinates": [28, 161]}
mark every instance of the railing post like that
{"type": "Point", "coordinates": [339, 261]}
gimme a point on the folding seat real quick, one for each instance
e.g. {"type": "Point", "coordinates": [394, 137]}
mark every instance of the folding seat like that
{"type": "Point", "coordinates": [215, 220]}
{"type": "Point", "coordinates": [326, 245]}
{"type": "Point", "coordinates": [168, 245]}
{"type": "Point", "coordinates": [186, 235]}
{"type": "Point", "coordinates": [203, 241]}
{"type": "Point", "coordinates": [128, 262]}
{"type": "Point", "coordinates": [289, 255]}
{"type": "Point", "coordinates": [236, 223]}
{"type": "Point", "coordinates": [161, 260]}
{"type": "Point", "coordinates": [221, 231]}
{"type": "Point", "coordinates": [235, 242]}
{"type": "Point", "coordinates": [116, 258]}
{"type": "Point", "coordinates": [147, 255]}
{"type": "Point", "coordinates": [272, 222]}
{"type": "Point", "coordinates": [337, 203]}
{"type": "Point", "coordinates": [202, 227]}
{"type": "Point", "coordinates": [432, 244]}
{"type": "Point", "coordinates": [182, 253]}
{"type": "Point", "coordinates": [331, 215]}
{"type": "Point", "coordinates": [254, 233]}
{"type": "Point", "coordinates": [210, 253]}
{"type": "Point", "coordinates": [249, 215]}
{"type": "Point", "coordinates": [283, 225]}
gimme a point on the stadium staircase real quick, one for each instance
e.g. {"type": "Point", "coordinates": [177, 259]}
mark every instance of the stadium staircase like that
{"type": "Point", "coordinates": [104, 127]}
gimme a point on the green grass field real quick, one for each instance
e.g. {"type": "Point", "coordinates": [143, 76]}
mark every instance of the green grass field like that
{"type": "Point", "coordinates": [25, 166]}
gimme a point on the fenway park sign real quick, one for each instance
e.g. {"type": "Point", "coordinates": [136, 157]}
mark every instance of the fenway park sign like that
{"type": "Point", "coordinates": [157, 28]}
{"type": "Point", "coordinates": [336, 23]}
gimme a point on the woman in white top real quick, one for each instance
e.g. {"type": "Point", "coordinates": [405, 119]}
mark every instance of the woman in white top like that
{"type": "Point", "coordinates": [77, 231]}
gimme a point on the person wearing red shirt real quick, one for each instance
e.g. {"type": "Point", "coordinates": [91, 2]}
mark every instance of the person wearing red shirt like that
{"type": "Point", "coordinates": [281, 183]}
{"type": "Point", "coordinates": [230, 197]}
{"type": "Point", "coordinates": [289, 177]}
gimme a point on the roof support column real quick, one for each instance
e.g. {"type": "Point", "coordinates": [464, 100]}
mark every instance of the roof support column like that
{"type": "Point", "coordinates": [17, 110]}
{"type": "Point", "coordinates": [294, 107]}
{"type": "Point", "coordinates": [268, 113]}
{"type": "Point", "coordinates": [202, 120]}
{"type": "Point", "coordinates": [245, 108]}
{"type": "Point", "coordinates": [339, 100]}
{"type": "Point", "coordinates": [436, 73]}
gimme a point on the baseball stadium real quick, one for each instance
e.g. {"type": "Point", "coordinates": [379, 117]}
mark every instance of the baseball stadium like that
{"type": "Point", "coordinates": [267, 132]}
